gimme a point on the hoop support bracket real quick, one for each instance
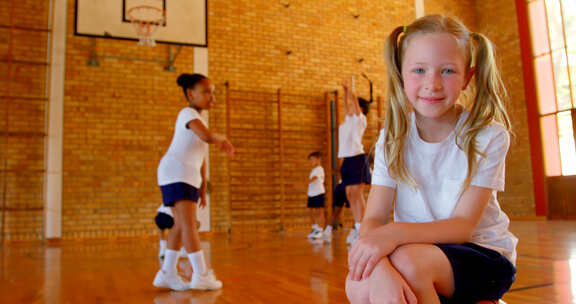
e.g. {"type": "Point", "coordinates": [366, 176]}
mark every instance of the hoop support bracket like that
{"type": "Point", "coordinates": [173, 52]}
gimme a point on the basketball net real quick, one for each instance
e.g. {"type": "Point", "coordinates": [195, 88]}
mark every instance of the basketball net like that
{"type": "Point", "coordinates": [146, 21]}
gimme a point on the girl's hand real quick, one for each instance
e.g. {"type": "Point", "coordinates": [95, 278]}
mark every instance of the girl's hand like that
{"type": "Point", "coordinates": [223, 144]}
{"type": "Point", "coordinates": [348, 88]}
{"type": "Point", "coordinates": [388, 286]}
{"type": "Point", "coordinates": [367, 252]}
{"type": "Point", "coordinates": [345, 87]}
{"type": "Point", "coordinates": [349, 97]}
{"type": "Point", "coordinates": [226, 146]}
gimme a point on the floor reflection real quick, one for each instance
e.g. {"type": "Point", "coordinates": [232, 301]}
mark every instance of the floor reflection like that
{"type": "Point", "coordinates": [254, 268]}
{"type": "Point", "coordinates": [188, 297]}
{"type": "Point", "coordinates": [52, 275]}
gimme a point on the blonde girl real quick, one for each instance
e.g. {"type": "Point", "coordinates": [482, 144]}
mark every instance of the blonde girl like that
{"type": "Point", "coordinates": [439, 163]}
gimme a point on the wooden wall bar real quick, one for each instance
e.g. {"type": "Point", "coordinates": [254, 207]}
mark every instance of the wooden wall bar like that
{"type": "Point", "coordinates": [274, 132]}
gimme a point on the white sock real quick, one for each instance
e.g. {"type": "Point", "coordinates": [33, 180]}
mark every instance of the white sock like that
{"type": "Point", "coordinates": [170, 261]}
{"type": "Point", "coordinates": [328, 228]}
{"type": "Point", "coordinates": [357, 226]}
{"type": "Point", "coordinates": [197, 261]}
{"type": "Point", "coordinates": [315, 227]}
{"type": "Point", "coordinates": [162, 245]}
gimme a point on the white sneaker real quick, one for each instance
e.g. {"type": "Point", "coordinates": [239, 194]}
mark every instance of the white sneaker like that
{"type": "Point", "coordinates": [327, 235]}
{"type": "Point", "coordinates": [352, 236]}
{"type": "Point", "coordinates": [312, 233]}
{"type": "Point", "coordinates": [318, 234]}
{"type": "Point", "coordinates": [355, 238]}
{"type": "Point", "coordinates": [174, 282]}
{"type": "Point", "coordinates": [205, 281]}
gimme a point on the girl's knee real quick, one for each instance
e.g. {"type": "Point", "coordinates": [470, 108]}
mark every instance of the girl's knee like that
{"type": "Point", "coordinates": [357, 291]}
{"type": "Point", "coordinates": [186, 223]}
{"type": "Point", "coordinates": [410, 262]}
{"type": "Point", "coordinates": [191, 225]}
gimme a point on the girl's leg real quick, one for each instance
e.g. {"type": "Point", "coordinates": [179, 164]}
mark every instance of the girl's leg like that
{"type": "Point", "coordinates": [202, 278]}
{"type": "Point", "coordinates": [173, 245]}
{"type": "Point", "coordinates": [312, 216]}
{"type": "Point", "coordinates": [168, 276]}
{"type": "Point", "coordinates": [358, 292]}
{"type": "Point", "coordinates": [186, 215]}
{"type": "Point", "coordinates": [380, 287]}
{"type": "Point", "coordinates": [426, 269]}
{"type": "Point", "coordinates": [163, 243]}
{"type": "Point", "coordinates": [334, 217]}
{"type": "Point", "coordinates": [186, 218]}
{"type": "Point", "coordinates": [321, 219]}
{"type": "Point", "coordinates": [355, 195]}
{"type": "Point", "coordinates": [174, 241]}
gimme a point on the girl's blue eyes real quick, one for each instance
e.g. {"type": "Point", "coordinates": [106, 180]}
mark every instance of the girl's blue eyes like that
{"type": "Point", "coordinates": [445, 71]}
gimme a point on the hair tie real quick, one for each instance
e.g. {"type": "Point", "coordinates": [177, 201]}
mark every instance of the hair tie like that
{"type": "Point", "coordinates": [404, 28]}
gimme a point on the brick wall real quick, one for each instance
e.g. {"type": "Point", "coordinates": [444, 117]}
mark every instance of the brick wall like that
{"type": "Point", "coordinates": [23, 67]}
{"type": "Point", "coordinates": [118, 122]}
{"type": "Point", "coordinates": [497, 20]}
{"type": "Point", "coordinates": [118, 117]}
{"type": "Point", "coordinates": [249, 42]}
{"type": "Point", "coordinates": [463, 10]}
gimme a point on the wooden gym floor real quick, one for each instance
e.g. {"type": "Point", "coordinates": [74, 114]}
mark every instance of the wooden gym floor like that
{"type": "Point", "coordinates": [255, 268]}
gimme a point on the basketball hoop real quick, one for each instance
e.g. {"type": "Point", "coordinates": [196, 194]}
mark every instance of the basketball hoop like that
{"type": "Point", "coordinates": [146, 21]}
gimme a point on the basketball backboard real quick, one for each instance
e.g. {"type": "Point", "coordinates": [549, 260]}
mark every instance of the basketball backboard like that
{"type": "Point", "coordinates": [186, 20]}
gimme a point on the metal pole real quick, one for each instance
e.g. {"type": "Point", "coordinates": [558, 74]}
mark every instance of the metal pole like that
{"type": "Point", "coordinates": [281, 159]}
{"type": "Point", "coordinates": [3, 201]}
{"type": "Point", "coordinates": [329, 181]}
{"type": "Point", "coordinates": [228, 179]}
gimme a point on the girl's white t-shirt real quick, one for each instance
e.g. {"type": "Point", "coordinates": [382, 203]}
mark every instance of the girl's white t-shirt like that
{"type": "Point", "coordinates": [316, 187]}
{"type": "Point", "coordinates": [350, 134]}
{"type": "Point", "coordinates": [439, 170]}
{"type": "Point", "coordinates": [183, 160]}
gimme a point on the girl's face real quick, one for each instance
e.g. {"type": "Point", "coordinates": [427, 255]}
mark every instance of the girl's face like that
{"type": "Point", "coordinates": [434, 72]}
{"type": "Point", "coordinates": [202, 95]}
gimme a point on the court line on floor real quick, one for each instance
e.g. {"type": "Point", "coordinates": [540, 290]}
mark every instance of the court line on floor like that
{"type": "Point", "coordinates": [531, 287]}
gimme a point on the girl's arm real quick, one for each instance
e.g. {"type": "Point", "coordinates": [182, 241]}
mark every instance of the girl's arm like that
{"type": "Point", "coordinates": [206, 135]}
{"type": "Point", "coordinates": [457, 229]}
{"type": "Point", "coordinates": [350, 98]}
{"type": "Point", "coordinates": [382, 241]}
{"type": "Point", "coordinates": [203, 186]}
{"type": "Point", "coordinates": [376, 216]}
{"type": "Point", "coordinates": [210, 137]}
{"type": "Point", "coordinates": [469, 209]}
{"type": "Point", "coordinates": [378, 209]}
